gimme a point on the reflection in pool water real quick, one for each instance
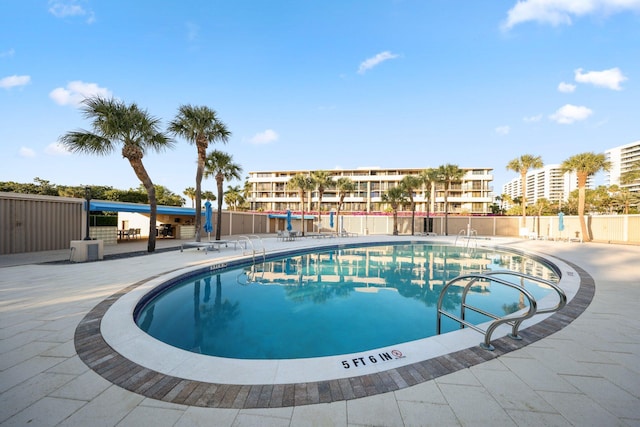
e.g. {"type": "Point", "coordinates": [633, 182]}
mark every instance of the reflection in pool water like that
{"type": "Point", "coordinates": [335, 301]}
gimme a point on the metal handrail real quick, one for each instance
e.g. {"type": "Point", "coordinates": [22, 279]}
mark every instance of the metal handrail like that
{"type": "Point", "coordinates": [249, 242]}
{"type": "Point", "coordinates": [469, 234]}
{"type": "Point", "coordinates": [514, 320]}
{"type": "Point", "coordinates": [562, 296]}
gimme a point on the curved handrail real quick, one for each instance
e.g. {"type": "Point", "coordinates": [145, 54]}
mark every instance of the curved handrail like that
{"type": "Point", "coordinates": [515, 321]}
{"type": "Point", "coordinates": [249, 242]}
{"type": "Point", "coordinates": [562, 296]}
{"type": "Point", "coordinates": [468, 234]}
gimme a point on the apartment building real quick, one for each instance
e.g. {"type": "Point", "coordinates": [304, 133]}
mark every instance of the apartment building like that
{"type": "Point", "coordinates": [622, 160]}
{"type": "Point", "coordinates": [473, 194]}
{"type": "Point", "coordinates": [548, 182]}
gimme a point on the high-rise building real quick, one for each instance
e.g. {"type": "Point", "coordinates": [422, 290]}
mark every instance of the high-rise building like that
{"type": "Point", "coordinates": [622, 160]}
{"type": "Point", "coordinates": [549, 182]}
{"type": "Point", "coordinates": [472, 194]}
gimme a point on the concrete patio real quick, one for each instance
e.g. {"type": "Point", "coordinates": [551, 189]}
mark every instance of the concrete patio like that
{"type": "Point", "coordinates": [588, 373]}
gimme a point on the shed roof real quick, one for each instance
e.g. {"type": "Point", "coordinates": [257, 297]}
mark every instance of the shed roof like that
{"type": "Point", "coordinates": [107, 206]}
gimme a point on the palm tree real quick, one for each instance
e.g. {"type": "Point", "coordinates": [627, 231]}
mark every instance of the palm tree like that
{"type": "Point", "coordinates": [344, 186]}
{"type": "Point", "coordinates": [233, 197]}
{"type": "Point", "coordinates": [429, 178]}
{"type": "Point", "coordinates": [446, 174]}
{"type": "Point", "coordinates": [199, 126]}
{"type": "Point", "coordinates": [631, 175]}
{"type": "Point", "coordinates": [410, 183]}
{"type": "Point", "coordinates": [301, 183]}
{"type": "Point", "coordinates": [190, 192]}
{"type": "Point", "coordinates": [208, 195]}
{"type": "Point", "coordinates": [322, 180]}
{"type": "Point", "coordinates": [246, 191]}
{"type": "Point", "coordinates": [522, 165]}
{"type": "Point", "coordinates": [395, 197]}
{"type": "Point", "coordinates": [221, 166]}
{"type": "Point", "coordinates": [113, 123]}
{"type": "Point", "coordinates": [584, 165]}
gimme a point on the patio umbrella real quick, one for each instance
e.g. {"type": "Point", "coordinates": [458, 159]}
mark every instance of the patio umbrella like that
{"type": "Point", "coordinates": [331, 219]}
{"type": "Point", "coordinates": [560, 221]}
{"type": "Point", "coordinates": [208, 213]}
{"type": "Point", "coordinates": [289, 227]}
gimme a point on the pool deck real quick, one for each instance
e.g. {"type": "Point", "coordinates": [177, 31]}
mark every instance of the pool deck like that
{"type": "Point", "coordinates": [588, 373]}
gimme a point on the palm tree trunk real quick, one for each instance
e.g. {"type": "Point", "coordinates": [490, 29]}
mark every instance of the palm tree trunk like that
{"type": "Point", "coordinates": [202, 155]}
{"type": "Point", "coordinates": [446, 210]}
{"type": "Point", "coordinates": [582, 184]}
{"type": "Point", "coordinates": [219, 182]}
{"type": "Point", "coordinates": [143, 176]}
{"type": "Point", "coordinates": [395, 221]}
{"type": "Point", "coordinates": [319, 211]}
{"type": "Point", "coordinates": [413, 218]}
{"type": "Point", "coordinates": [302, 215]}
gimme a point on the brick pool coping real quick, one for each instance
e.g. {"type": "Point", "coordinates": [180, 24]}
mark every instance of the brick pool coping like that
{"type": "Point", "coordinates": [94, 351]}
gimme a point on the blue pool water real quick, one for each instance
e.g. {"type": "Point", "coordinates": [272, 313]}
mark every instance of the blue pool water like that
{"type": "Point", "coordinates": [334, 301]}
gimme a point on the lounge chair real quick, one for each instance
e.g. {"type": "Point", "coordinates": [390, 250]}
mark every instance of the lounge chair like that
{"type": "Point", "coordinates": [345, 233]}
{"type": "Point", "coordinates": [287, 235]}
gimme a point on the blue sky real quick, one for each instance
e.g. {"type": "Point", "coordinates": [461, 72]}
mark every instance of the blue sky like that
{"type": "Point", "coordinates": [322, 84]}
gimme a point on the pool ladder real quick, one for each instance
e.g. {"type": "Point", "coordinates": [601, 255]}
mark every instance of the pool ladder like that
{"type": "Point", "coordinates": [470, 234]}
{"type": "Point", "coordinates": [247, 242]}
{"type": "Point", "coordinates": [514, 319]}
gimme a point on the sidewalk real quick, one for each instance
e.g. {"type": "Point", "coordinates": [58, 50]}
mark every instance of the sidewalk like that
{"type": "Point", "coordinates": [587, 374]}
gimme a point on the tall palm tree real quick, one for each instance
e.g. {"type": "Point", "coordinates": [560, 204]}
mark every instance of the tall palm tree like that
{"type": "Point", "coordinates": [522, 165]}
{"type": "Point", "coordinates": [429, 178]}
{"type": "Point", "coordinates": [220, 165]}
{"type": "Point", "coordinates": [446, 174]}
{"type": "Point", "coordinates": [395, 197]}
{"type": "Point", "coordinates": [113, 123]}
{"type": "Point", "coordinates": [200, 126]}
{"type": "Point", "coordinates": [302, 184]}
{"type": "Point", "coordinates": [190, 192]}
{"type": "Point", "coordinates": [322, 180]}
{"type": "Point", "coordinates": [344, 186]}
{"type": "Point", "coordinates": [584, 165]}
{"type": "Point", "coordinates": [410, 183]}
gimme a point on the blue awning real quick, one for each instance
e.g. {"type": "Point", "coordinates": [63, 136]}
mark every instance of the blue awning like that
{"type": "Point", "coordinates": [100, 205]}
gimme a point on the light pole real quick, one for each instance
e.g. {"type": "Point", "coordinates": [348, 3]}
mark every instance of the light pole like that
{"type": "Point", "coordinates": [87, 198]}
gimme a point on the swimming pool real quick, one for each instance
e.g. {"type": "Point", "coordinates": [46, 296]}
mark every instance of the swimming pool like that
{"type": "Point", "coordinates": [333, 301]}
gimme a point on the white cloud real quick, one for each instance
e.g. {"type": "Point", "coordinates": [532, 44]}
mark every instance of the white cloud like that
{"type": "Point", "coordinates": [13, 81]}
{"type": "Point", "coordinates": [568, 114]}
{"type": "Point", "coordinates": [533, 119]}
{"type": "Point", "coordinates": [7, 53]}
{"type": "Point", "coordinates": [76, 91]}
{"type": "Point", "coordinates": [561, 12]}
{"type": "Point", "coordinates": [609, 79]}
{"type": "Point", "coordinates": [566, 87]}
{"type": "Point", "coordinates": [265, 137]}
{"type": "Point", "coordinates": [27, 152]}
{"type": "Point", "coordinates": [56, 149]}
{"type": "Point", "coordinates": [376, 60]}
{"type": "Point", "coordinates": [503, 130]}
{"type": "Point", "coordinates": [65, 8]}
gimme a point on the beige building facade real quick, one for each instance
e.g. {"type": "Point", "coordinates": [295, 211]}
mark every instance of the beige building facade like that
{"type": "Point", "coordinates": [471, 195]}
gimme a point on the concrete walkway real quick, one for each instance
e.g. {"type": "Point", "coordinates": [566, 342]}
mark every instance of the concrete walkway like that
{"type": "Point", "coordinates": [586, 374]}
